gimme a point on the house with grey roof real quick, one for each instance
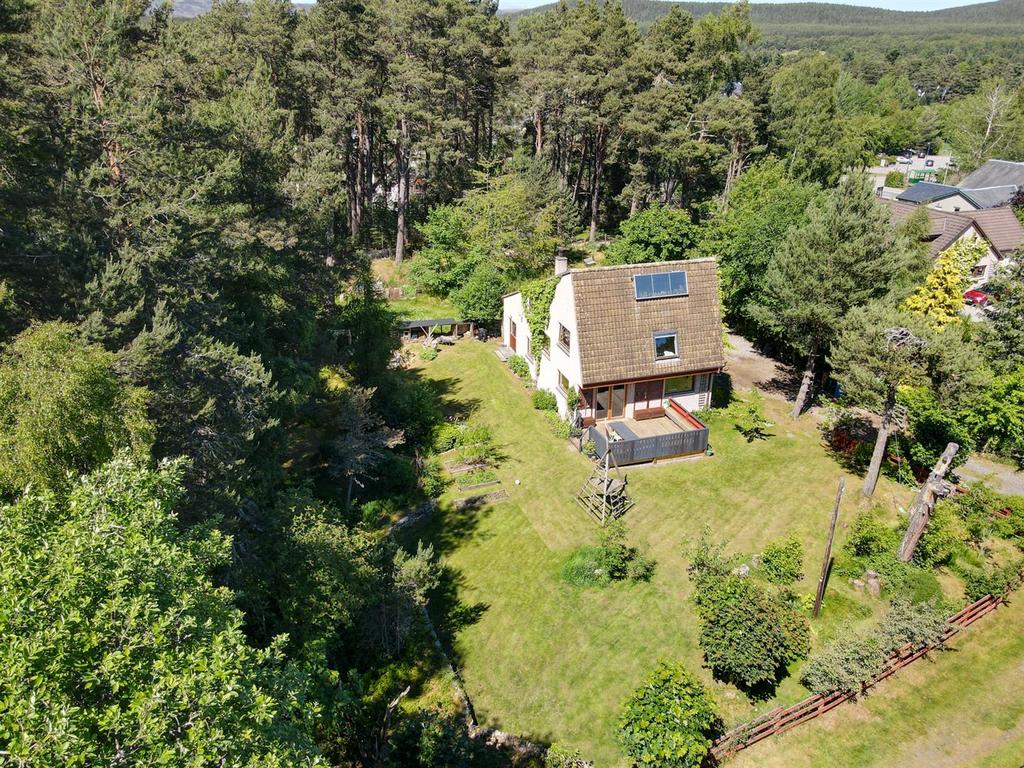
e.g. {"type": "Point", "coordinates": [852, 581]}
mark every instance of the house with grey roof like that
{"type": "Point", "coordinates": [630, 352]}
{"type": "Point", "coordinates": [992, 185]}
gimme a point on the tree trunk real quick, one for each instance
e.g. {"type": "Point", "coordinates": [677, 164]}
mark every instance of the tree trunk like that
{"type": "Point", "coordinates": [806, 383]}
{"type": "Point", "coordinates": [402, 168]}
{"type": "Point", "coordinates": [595, 184]}
{"type": "Point", "coordinates": [359, 177]}
{"type": "Point", "coordinates": [538, 133]}
{"type": "Point", "coordinates": [921, 512]}
{"type": "Point", "coordinates": [878, 454]}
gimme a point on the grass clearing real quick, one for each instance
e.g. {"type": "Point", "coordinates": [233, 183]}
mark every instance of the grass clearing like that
{"type": "Point", "coordinates": [554, 662]}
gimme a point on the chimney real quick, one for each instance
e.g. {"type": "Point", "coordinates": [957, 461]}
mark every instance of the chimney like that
{"type": "Point", "coordinates": [561, 263]}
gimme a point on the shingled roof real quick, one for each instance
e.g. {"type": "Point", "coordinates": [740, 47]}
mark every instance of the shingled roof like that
{"type": "Point", "coordinates": [997, 225]}
{"type": "Point", "coordinates": [995, 173]}
{"type": "Point", "coordinates": [615, 331]}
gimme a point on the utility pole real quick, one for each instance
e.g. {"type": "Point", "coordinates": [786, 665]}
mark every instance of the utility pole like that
{"type": "Point", "coordinates": [826, 561]}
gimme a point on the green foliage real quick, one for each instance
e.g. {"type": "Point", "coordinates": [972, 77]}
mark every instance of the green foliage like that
{"type": "Point", "coordinates": [562, 757]}
{"type": "Point", "coordinates": [537, 298]}
{"type": "Point", "coordinates": [931, 427]}
{"type": "Point", "coordinates": [944, 536]}
{"type": "Point", "coordinates": [857, 657]}
{"type": "Point", "coordinates": [871, 535]}
{"type": "Point", "coordinates": [1003, 335]}
{"type": "Point", "coordinates": [843, 665]}
{"type": "Point", "coordinates": [996, 416]}
{"type": "Point", "coordinates": [941, 297]}
{"type": "Point", "coordinates": [63, 410]}
{"type": "Point", "coordinates": [428, 353]}
{"type": "Point", "coordinates": [992, 579]}
{"type": "Point", "coordinates": [748, 635]}
{"type": "Point", "coordinates": [544, 400]}
{"type": "Point", "coordinates": [519, 367]}
{"type": "Point", "coordinates": [432, 479]}
{"type": "Point", "coordinates": [895, 179]}
{"type": "Point", "coordinates": [655, 234]}
{"type": "Point", "coordinates": [585, 568]}
{"type": "Point", "coordinates": [480, 297]}
{"type": "Point", "coordinates": [560, 428]}
{"type": "Point", "coordinates": [782, 561]}
{"type": "Point", "coordinates": [107, 609]}
{"type": "Point", "coordinates": [750, 419]}
{"type": "Point", "coordinates": [763, 205]}
{"type": "Point", "coordinates": [613, 559]}
{"type": "Point", "coordinates": [669, 720]}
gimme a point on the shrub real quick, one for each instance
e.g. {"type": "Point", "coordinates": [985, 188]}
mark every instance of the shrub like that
{"type": "Point", "coordinates": [559, 428]}
{"type": "Point", "coordinates": [544, 400]}
{"type": "Point", "coordinates": [658, 233]}
{"type": "Point", "coordinates": [843, 665]}
{"type": "Point", "coordinates": [992, 580]}
{"type": "Point", "coordinates": [519, 366]}
{"type": "Point", "coordinates": [750, 420]}
{"type": "Point", "coordinates": [561, 757]}
{"type": "Point", "coordinates": [639, 568]}
{"type": "Point", "coordinates": [585, 568]}
{"type": "Point", "coordinates": [481, 296]}
{"type": "Point", "coordinates": [432, 478]}
{"type": "Point", "coordinates": [747, 634]}
{"type": "Point", "coordinates": [870, 535]}
{"type": "Point", "coordinates": [668, 720]}
{"type": "Point", "coordinates": [428, 353]}
{"type": "Point", "coordinates": [446, 436]}
{"type": "Point", "coordinates": [908, 623]}
{"type": "Point", "coordinates": [476, 446]}
{"type": "Point", "coordinates": [895, 179]}
{"type": "Point", "coordinates": [944, 535]}
{"type": "Point", "coordinates": [782, 561]}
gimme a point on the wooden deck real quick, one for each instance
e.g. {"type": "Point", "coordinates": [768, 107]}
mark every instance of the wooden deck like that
{"type": "Point", "coordinates": [646, 427]}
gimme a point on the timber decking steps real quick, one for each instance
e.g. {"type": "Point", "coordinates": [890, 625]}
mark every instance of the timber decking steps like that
{"type": "Point", "coordinates": [504, 353]}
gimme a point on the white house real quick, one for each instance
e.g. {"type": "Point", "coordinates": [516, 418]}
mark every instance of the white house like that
{"type": "Point", "coordinates": [998, 227]}
{"type": "Point", "coordinates": [637, 342]}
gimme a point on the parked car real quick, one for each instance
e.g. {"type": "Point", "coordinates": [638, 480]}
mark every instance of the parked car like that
{"type": "Point", "coordinates": [929, 163]}
{"type": "Point", "coordinates": [979, 297]}
{"type": "Point", "coordinates": [903, 160]}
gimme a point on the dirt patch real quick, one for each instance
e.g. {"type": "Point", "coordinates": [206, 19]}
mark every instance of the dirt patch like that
{"type": "Point", "coordinates": [748, 368]}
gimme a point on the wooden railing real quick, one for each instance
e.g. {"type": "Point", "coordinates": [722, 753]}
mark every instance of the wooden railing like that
{"type": "Point", "coordinates": [782, 719]}
{"type": "Point", "coordinates": [641, 449]}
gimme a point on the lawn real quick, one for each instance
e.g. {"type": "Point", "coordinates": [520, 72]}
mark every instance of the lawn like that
{"type": "Point", "coordinates": [554, 662]}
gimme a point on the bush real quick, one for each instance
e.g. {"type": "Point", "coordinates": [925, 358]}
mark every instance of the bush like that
{"type": "Point", "coordinates": [559, 428]}
{"type": "Point", "coordinates": [748, 635]}
{"type": "Point", "coordinates": [561, 757]}
{"type": "Point", "coordinates": [481, 297]}
{"type": "Point", "coordinates": [544, 400]}
{"type": "Point", "coordinates": [870, 535]}
{"type": "Point", "coordinates": [992, 580]}
{"type": "Point", "coordinates": [895, 179]}
{"type": "Point", "coordinates": [944, 535]}
{"type": "Point", "coordinates": [428, 353]}
{"type": "Point", "coordinates": [657, 233]}
{"type": "Point", "coordinates": [586, 568]}
{"type": "Point", "coordinates": [476, 445]}
{"type": "Point", "coordinates": [639, 568]}
{"type": "Point", "coordinates": [432, 479]}
{"type": "Point", "coordinates": [782, 561]}
{"type": "Point", "coordinates": [446, 436]}
{"type": "Point", "coordinates": [519, 367]}
{"type": "Point", "coordinates": [668, 721]}
{"type": "Point", "coordinates": [843, 665]}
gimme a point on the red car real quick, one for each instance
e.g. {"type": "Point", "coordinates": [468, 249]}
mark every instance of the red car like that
{"type": "Point", "coordinates": [979, 297]}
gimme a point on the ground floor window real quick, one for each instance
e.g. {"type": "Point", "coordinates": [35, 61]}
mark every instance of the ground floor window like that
{"type": "Point", "coordinates": [679, 385]}
{"type": "Point", "coordinates": [563, 383]}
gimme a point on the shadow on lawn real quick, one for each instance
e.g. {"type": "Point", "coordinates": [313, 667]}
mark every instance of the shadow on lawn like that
{"type": "Point", "coordinates": [450, 614]}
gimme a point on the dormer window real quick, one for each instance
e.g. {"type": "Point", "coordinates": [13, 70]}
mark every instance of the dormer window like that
{"type": "Point", "coordinates": [666, 345]}
{"type": "Point", "coordinates": [660, 285]}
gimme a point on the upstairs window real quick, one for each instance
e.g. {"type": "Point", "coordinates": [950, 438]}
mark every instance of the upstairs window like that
{"type": "Point", "coordinates": [563, 337]}
{"type": "Point", "coordinates": [660, 285]}
{"type": "Point", "coordinates": [665, 346]}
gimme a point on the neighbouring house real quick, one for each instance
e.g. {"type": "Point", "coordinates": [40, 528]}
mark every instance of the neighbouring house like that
{"type": "Point", "coordinates": [638, 344]}
{"type": "Point", "coordinates": [998, 227]}
{"type": "Point", "coordinates": [992, 185]}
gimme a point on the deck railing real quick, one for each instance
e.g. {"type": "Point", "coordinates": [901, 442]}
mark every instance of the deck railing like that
{"type": "Point", "coordinates": [641, 449]}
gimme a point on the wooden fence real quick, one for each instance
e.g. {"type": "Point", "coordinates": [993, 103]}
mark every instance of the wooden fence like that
{"type": "Point", "coordinates": [641, 449]}
{"type": "Point", "coordinates": [782, 719]}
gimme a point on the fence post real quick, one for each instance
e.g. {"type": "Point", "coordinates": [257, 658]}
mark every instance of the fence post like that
{"type": "Point", "coordinates": [827, 560]}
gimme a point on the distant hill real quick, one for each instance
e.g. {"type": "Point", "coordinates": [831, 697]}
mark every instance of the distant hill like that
{"type": "Point", "coordinates": [1000, 18]}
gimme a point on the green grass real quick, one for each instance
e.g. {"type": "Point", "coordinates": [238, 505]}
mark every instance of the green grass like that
{"type": "Point", "coordinates": [554, 662]}
{"type": "Point", "coordinates": [424, 307]}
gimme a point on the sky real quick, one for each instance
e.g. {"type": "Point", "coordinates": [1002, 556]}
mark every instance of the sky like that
{"type": "Point", "coordinates": [896, 5]}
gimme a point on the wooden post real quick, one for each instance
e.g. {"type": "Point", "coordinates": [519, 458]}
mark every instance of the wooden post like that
{"type": "Point", "coordinates": [921, 512]}
{"type": "Point", "coordinates": [827, 560]}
